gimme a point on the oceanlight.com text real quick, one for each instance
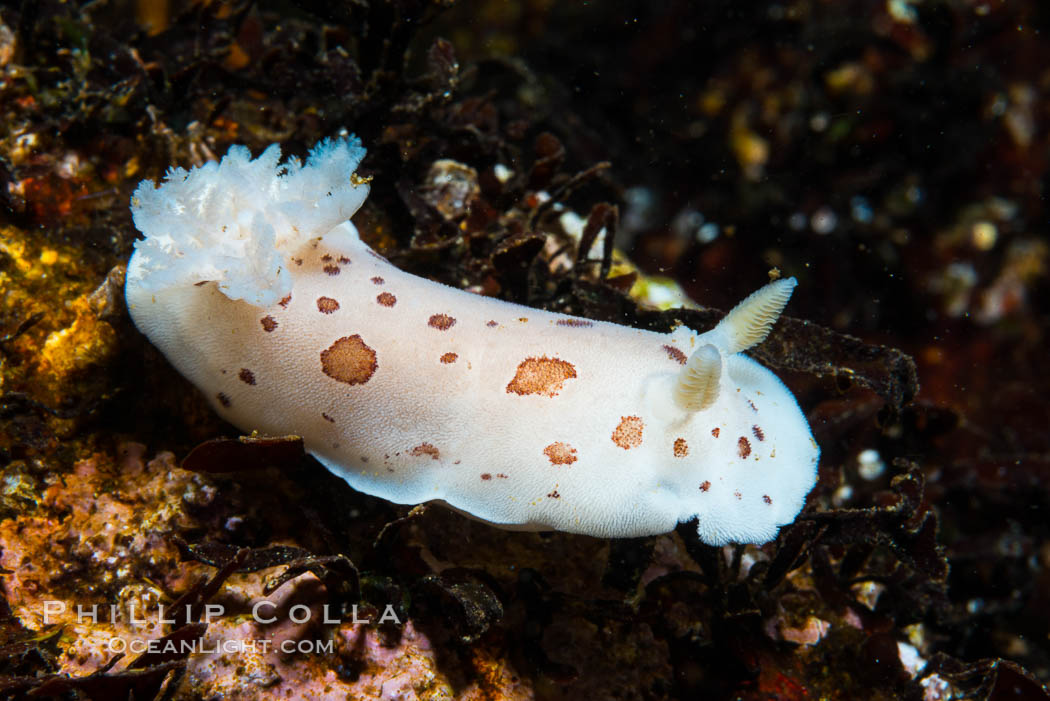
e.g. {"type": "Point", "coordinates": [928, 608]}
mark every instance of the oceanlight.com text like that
{"type": "Point", "coordinates": [201, 646]}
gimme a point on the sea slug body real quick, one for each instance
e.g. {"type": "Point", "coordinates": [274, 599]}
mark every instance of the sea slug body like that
{"type": "Point", "coordinates": [254, 284]}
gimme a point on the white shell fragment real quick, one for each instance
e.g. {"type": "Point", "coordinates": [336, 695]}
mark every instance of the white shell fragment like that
{"type": "Point", "coordinates": [255, 285]}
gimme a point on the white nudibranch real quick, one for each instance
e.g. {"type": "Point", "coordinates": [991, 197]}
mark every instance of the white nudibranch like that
{"type": "Point", "coordinates": [255, 285]}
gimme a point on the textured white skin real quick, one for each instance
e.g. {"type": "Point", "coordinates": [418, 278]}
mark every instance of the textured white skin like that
{"type": "Point", "coordinates": [419, 429]}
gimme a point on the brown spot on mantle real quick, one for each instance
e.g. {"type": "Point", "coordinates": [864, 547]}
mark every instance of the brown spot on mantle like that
{"type": "Point", "coordinates": [575, 323]}
{"type": "Point", "coordinates": [268, 323]}
{"type": "Point", "coordinates": [681, 448]}
{"type": "Point", "coordinates": [560, 453]}
{"type": "Point", "coordinates": [386, 299]}
{"type": "Point", "coordinates": [541, 375]}
{"type": "Point", "coordinates": [629, 433]}
{"type": "Point", "coordinates": [327, 305]}
{"type": "Point", "coordinates": [247, 376]}
{"type": "Point", "coordinates": [425, 449]}
{"type": "Point", "coordinates": [349, 360]}
{"type": "Point", "coordinates": [331, 269]}
{"type": "Point", "coordinates": [743, 447]}
{"type": "Point", "coordinates": [448, 358]}
{"type": "Point", "coordinates": [441, 322]}
{"type": "Point", "coordinates": [675, 354]}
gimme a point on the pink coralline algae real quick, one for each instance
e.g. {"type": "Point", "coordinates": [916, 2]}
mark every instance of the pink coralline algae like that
{"type": "Point", "coordinates": [245, 656]}
{"type": "Point", "coordinates": [406, 671]}
{"type": "Point", "coordinates": [96, 558]}
{"type": "Point", "coordinates": [116, 537]}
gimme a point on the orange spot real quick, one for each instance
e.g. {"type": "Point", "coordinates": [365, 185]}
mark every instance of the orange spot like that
{"type": "Point", "coordinates": [449, 358]}
{"type": "Point", "coordinates": [541, 375]}
{"type": "Point", "coordinates": [377, 280]}
{"type": "Point", "coordinates": [629, 433]}
{"type": "Point", "coordinates": [349, 360]}
{"type": "Point", "coordinates": [704, 486]}
{"type": "Point", "coordinates": [326, 305]}
{"type": "Point", "coordinates": [486, 476]}
{"type": "Point", "coordinates": [441, 322]}
{"type": "Point", "coordinates": [492, 324]}
{"type": "Point", "coordinates": [268, 323]}
{"type": "Point", "coordinates": [575, 323]}
{"type": "Point", "coordinates": [326, 258]}
{"type": "Point", "coordinates": [675, 354]}
{"type": "Point", "coordinates": [560, 453]}
{"type": "Point", "coordinates": [344, 260]}
{"type": "Point", "coordinates": [765, 498]}
{"type": "Point", "coordinates": [284, 302]}
{"type": "Point", "coordinates": [743, 447]}
{"type": "Point", "coordinates": [681, 448]}
{"type": "Point", "coordinates": [715, 432]}
{"type": "Point", "coordinates": [425, 449]}
{"type": "Point", "coordinates": [386, 299]}
{"type": "Point", "coordinates": [247, 376]}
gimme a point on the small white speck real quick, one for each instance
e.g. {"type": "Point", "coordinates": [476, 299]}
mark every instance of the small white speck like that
{"type": "Point", "coordinates": [870, 465]}
{"type": "Point", "coordinates": [936, 688]}
{"type": "Point", "coordinates": [502, 172]}
{"type": "Point", "coordinates": [824, 221]}
{"type": "Point", "coordinates": [707, 233]}
{"type": "Point", "coordinates": [902, 11]}
{"type": "Point", "coordinates": [911, 660]}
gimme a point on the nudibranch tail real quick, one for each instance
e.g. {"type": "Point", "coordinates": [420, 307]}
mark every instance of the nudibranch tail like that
{"type": "Point", "coordinates": [698, 382]}
{"type": "Point", "coordinates": [750, 322]}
